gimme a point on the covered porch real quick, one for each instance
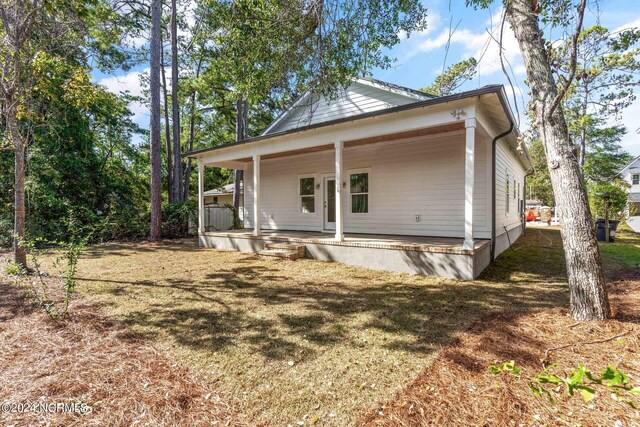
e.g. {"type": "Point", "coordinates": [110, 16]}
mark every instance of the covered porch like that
{"type": "Point", "coordinates": [422, 199]}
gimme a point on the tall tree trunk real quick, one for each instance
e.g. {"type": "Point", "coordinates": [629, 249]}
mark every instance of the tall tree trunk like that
{"type": "Point", "coordinates": [192, 133]}
{"type": "Point", "coordinates": [241, 133]}
{"type": "Point", "coordinates": [175, 107]}
{"type": "Point", "coordinates": [167, 131]}
{"type": "Point", "coordinates": [187, 171]}
{"type": "Point", "coordinates": [588, 294]}
{"type": "Point", "coordinates": [19, 145]}
{"type": "Point", "coordinates": [154, 86]}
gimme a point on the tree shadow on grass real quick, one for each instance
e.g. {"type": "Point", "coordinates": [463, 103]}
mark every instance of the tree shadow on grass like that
{"type": "Point", "coordinates": [125, 249]}
{"type": "Point", "coordinates": [220, 311]}
{"type": "Point", "coordinates": [278, 311]}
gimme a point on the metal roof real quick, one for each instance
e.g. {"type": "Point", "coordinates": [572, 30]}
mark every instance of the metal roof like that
{"type": "Point", "coordinates": [485, 90]}
{"type": "Point", "coordinates": [225, 189]}
{"type": "Point", "coordinates": [397, 88]}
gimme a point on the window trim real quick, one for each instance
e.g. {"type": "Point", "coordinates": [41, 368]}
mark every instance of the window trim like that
{"type": "Point", "coordinates": [315, 195]}
{"type": "Point", "coordinates": [507, 199]}
{"type": "Point", "coordinates": [368, 193]}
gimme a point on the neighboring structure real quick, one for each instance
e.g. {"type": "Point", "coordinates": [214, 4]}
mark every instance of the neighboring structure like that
{"type": "Point", "coordinates": [531, 204]}
{"type": "Point", "coordinates": [218, 212]}
{"type": "Point", "coordinates": [222, 196]}
{"type": "Point", "coordinates": [383, 177]}
{"type": "Point", "coordinates": [631, 175]}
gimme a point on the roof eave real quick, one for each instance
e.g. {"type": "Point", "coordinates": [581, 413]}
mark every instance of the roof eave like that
{"type": "Point", "coordinates": [497, 89]}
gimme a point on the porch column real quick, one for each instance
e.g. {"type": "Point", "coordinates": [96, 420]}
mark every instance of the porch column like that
{"type": "Point", "coordinates": [256, 194]}
{"type": "Point", "coordinates": [201, 224]}
{"type": "Point", "coordinates": [339, 203]}
{"type": "Point", "coordinates": [470, 125]}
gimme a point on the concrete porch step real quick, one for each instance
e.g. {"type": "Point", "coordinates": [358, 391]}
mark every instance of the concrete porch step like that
{"type": "Point", "coordinates": [300, 249]}
{"type": "Point", "coordinates": [281, 253]}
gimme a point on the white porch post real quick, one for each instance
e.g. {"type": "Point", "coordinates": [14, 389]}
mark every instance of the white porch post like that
{"type": "Point", "coordinates": [256, 194]}
{"type": "Point", "coordinates": [470, 125]}
{"type": "Point", "coordinates": [201, 224]}
{"type": "Point", "coordinates": [339, 145]}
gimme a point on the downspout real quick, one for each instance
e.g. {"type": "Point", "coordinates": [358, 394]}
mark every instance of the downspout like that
{"type": "Point", "coordinates": [493, 186]}
{"type": "Point", "coordinates": [524, 197]}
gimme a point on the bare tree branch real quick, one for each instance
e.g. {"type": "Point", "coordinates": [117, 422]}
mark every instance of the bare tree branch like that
{"type": "Point", "coordinates": [574, 60]}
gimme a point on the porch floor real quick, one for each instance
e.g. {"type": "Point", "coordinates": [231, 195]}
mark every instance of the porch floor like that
{"type": "Point", "coordinates": [445, 245]}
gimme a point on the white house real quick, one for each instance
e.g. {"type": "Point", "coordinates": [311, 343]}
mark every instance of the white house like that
{"type": "Point", "coordinates": [382, 177]}
{"type": "Point", "coordinates": [631, 175]}
{"type": "Point", "coordinates": [222, 196]}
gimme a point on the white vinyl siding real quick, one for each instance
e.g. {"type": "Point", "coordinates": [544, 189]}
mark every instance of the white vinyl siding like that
{"type": "Point", "coordinates": [507, 167]}
{"type": "Point", "coordinates": [423, 177]}
{"type": "Point", "coordinates": [356, 99]}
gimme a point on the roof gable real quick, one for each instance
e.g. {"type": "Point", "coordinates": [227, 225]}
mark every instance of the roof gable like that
{"type": "Point", "coordinates": [633, 165]}
{"type": "Point", "coordinates": [362, 96]}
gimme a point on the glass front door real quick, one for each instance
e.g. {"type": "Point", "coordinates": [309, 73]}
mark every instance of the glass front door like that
{"type": "Point", "coordinates": [329, 204]}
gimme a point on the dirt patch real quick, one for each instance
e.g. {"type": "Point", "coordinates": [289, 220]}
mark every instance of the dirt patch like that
{"type": "Point", "coordinates": [96, 363]}
{"type": "Point", "coordinates": [459, 389]}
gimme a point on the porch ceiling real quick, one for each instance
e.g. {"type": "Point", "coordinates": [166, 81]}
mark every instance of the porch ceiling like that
{"type": "Point", "coordinates": [427, 131]}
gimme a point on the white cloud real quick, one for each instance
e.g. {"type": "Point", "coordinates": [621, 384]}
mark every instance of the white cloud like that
{"type": "Point", "coordinates": [631, 120]}
{"type": "Point", "coordinates": [409, 42]}
{"type": "Point", "coordinates": [627, 26]}
{"type": "Point", "coordinates": [129, 83]}
{"type": "Point", "coordinates": [136, 42]}
{"type": "Point", "coordinates": [482, 45]}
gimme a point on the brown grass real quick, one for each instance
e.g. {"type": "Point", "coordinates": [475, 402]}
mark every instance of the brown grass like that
{"type": "Point", "coordinates": [293, 342]}
{"type": "Point", "coordinates": [458, 388]}
{"type": "Point", "coordinates": [305, 342]}
{"type": "Point", "coordinates": [90, 358]}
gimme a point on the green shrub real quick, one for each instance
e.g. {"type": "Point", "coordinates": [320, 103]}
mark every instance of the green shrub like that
{"type": "Point", "coordinates": [175, 218]}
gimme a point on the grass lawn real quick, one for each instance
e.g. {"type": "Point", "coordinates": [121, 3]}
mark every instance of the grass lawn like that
{"type": "Point", "coordinates": [625, 250]}
{"type": "Point", "coordinates": [288, 342]}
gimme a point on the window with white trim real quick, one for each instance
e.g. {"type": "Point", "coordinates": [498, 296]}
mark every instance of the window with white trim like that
{"type": "Point", "coordinates": [359, 191]}
{"type": "Point", "coordinates": [635, 179]}
{"type": "Point", "coordinates": [506, 193]}
{"type": "Point", "coordinates": [307, 194]}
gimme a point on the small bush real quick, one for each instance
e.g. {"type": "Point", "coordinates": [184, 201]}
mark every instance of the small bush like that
{"type": "Point", "coordinates": [43, 291]}
{"type": "Point", "coordinates": [6, 232]}
{"type": "Point", "coordinates": [175, 218]}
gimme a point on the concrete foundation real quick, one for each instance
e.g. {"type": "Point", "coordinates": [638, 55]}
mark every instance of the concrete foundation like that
{"type": "Point", "coordinates": [452, 262]}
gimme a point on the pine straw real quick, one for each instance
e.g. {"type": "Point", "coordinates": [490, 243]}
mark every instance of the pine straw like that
{"type": "Point", "coordinates": [91, 358]}
{"type": "Point", "coordinates": [458, 388]}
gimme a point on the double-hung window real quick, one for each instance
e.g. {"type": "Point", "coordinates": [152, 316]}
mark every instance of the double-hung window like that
{"type": "Point", "coordinates": [635, 179]}
{"type": "Point", "coordinates": [359, 191]}
{"type": "Point", "coordinates": [307, 194]}
{"type": "Point", "coordinates": [506, 193]}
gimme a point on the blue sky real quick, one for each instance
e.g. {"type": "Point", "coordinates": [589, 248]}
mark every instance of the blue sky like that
{"type": "Point", "coordinates": [421, 56]}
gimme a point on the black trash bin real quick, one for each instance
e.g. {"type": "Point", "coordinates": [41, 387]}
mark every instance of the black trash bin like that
{"type": "Point", "coordinates": [600, 234]}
